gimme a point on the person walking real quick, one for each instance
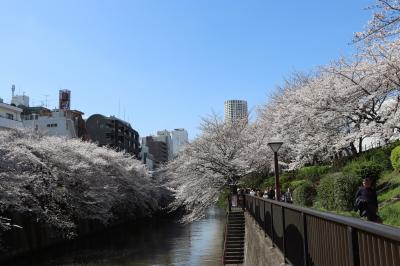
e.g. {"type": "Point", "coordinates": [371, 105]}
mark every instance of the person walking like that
{"type": "Point", "coordinates": [271, 193]}
{"type": "Point", "coordinates": [288, 197]}
{"type": "Point", "coordinates": [366, 201]}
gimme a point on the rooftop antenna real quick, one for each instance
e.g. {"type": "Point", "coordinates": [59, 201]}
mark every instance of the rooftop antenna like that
{"type": "Point", "coordinates": [46, 97]}
{"type": "Point", "coordinates": [13, 90]}
{"type": "Point", "coordinates": [119, 107]}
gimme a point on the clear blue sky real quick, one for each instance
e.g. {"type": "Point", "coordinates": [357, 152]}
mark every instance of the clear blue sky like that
{"type": "Point", "coordinates": [167, 62]}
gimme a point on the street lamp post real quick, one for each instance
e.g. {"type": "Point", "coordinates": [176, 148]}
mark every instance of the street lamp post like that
{"type": "Point", "coordinates": [275, 146]}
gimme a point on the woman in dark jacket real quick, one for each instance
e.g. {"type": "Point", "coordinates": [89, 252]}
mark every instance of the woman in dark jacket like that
{"type": "Point", "coordinates": [367, 201]}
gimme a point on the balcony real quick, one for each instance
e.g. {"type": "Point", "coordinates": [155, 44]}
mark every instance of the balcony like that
{"type": "Point", "coordinates": [6, 123]}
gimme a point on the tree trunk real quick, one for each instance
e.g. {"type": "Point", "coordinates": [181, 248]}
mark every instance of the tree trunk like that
{"type": "Point", "coordinates": [353, 148]}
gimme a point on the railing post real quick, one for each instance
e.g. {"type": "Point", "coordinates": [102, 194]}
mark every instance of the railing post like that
{"type": "Point", "coordinates": [305, 239]}
{"type": "Point", "coordinates": [272, 226]}
{"type": "Point", "coordinates": [265, 221]}
{"type": "Point", "coordinates": [283, 232]}
{"type": "Point", "coordinates": [352, 242]}
{"type": "Point", "coordinates": [229, 203]}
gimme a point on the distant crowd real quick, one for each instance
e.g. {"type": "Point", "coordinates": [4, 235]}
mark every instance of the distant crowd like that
{"type": "Point", "coordinates": [365, 202]}
{"type": "Point", "coordinates": [268, 193]}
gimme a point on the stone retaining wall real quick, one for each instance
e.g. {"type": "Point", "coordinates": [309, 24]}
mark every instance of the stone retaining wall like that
{"type": "Point", "coordinates": [258, 248]}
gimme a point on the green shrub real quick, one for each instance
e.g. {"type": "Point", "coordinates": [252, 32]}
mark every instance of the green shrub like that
{"type": "Point", "coordinates": [304, 194]}
{"type": "Point", "coordinates": [325, 192]}
{"type": "Point", "coordinates": [363, 169]}
{"type": "Point", "coordinates": [296, 183]}
{"type": "Point", "coordinates": [344, 190]}
{"type": "Point", "coordinates": [395, 157]}
{"type": "Point", "coordinates": [293, 174]}
{"type": "Point", "coordinates": [313, 173]}
{"type": "Point", "coordinates": [379, 156]}
{"type": "Point", "coordinates": [284, 182]}
{"type": "Point", "coordinates": [269, 182]}
{"type": "Point", "coordinates": [223, 198]}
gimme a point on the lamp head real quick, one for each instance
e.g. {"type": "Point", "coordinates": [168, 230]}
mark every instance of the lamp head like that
{"type": "Point", "coordinates": [275, 145]}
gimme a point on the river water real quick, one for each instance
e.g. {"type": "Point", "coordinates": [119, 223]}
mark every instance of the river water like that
{"type": "Point", "coordinates": [163, 242]}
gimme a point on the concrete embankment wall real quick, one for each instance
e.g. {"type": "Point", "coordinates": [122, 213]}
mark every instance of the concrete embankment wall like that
{"type": "Point", "coordinates": [35, 235]}
{"type": "Point", "coordinates": [258, 248]}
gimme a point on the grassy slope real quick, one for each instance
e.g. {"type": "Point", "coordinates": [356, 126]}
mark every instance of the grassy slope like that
{"type": "Point", "coordinates": [389, 198]}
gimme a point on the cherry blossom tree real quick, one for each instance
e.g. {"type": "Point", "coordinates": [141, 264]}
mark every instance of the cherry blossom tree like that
{"type": "Point", "coordinates": [218, 158]}
{"type": "Point", "coordinates": [384, 24]}
{"type": "Point", "coordinates": [59, 182]}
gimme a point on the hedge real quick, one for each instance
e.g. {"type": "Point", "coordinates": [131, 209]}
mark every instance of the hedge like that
{"type": "Point", "coordinates": [313, 173]}
{"type": "Point", "coordinates": [304, 194]}
{"type": "Point", "coordinates": [395, 157]}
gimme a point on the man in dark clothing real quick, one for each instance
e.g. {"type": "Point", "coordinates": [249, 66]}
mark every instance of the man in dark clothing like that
{"type": "Point", "coordinates": [366, 201]}
{"type": "Point", "coordinates": [271, 193]}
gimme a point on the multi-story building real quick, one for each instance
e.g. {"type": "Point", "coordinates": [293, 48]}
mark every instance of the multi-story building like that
{"type": "Point", "coordinates": [10, 116]}
{"type": "Point", "coordinates": [61, 123]}
{"type": "Point", "coordinates": [156, 150]}
{"type": "Point", "coordinates": [113, 132]}
{"type": "Point", "coordinates": [165, 137]}
{"type": "Point", "coordinates": [146, 156]}
{"type": "Point", "coordinates": [163, 147]}
{"type": "Point", "coordinates": [179, 138]}
{"type": "Point", "coordinates": [235, 110]}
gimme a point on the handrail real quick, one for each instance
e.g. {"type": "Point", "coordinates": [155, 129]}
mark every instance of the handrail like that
{"type": "Point", "coordinates": [310, 237]}
{"type": "Point", "coordinates": [390, 232]}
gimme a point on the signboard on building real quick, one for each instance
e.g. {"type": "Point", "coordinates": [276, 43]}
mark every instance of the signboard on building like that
{"type": "Point", "coordinates": [65, 100]}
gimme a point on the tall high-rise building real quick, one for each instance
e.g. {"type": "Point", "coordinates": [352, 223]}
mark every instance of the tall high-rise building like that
{"type": "Point", "coordinates": [235, 109]}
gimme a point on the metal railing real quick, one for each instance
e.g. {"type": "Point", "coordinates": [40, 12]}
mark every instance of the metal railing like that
{"type": "Point", "coordinates": [309, 237]}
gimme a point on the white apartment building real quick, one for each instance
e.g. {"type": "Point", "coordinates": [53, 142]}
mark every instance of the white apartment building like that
{"type": "Point", "coordinates": [235, 109]}
{"type": "Point", "coordinates": [10, 116]}
{"type": "Point", "coordinates": [60, 123]}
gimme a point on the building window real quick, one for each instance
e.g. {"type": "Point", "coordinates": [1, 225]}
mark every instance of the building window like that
{"type": "Point", "coordinates": [9, 116]}
{"type": "Point", "coordinates": [52, 125]}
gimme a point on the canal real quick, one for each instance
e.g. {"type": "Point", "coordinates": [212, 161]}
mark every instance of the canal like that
{"type": "Point", "coordinates": [163, 242]}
